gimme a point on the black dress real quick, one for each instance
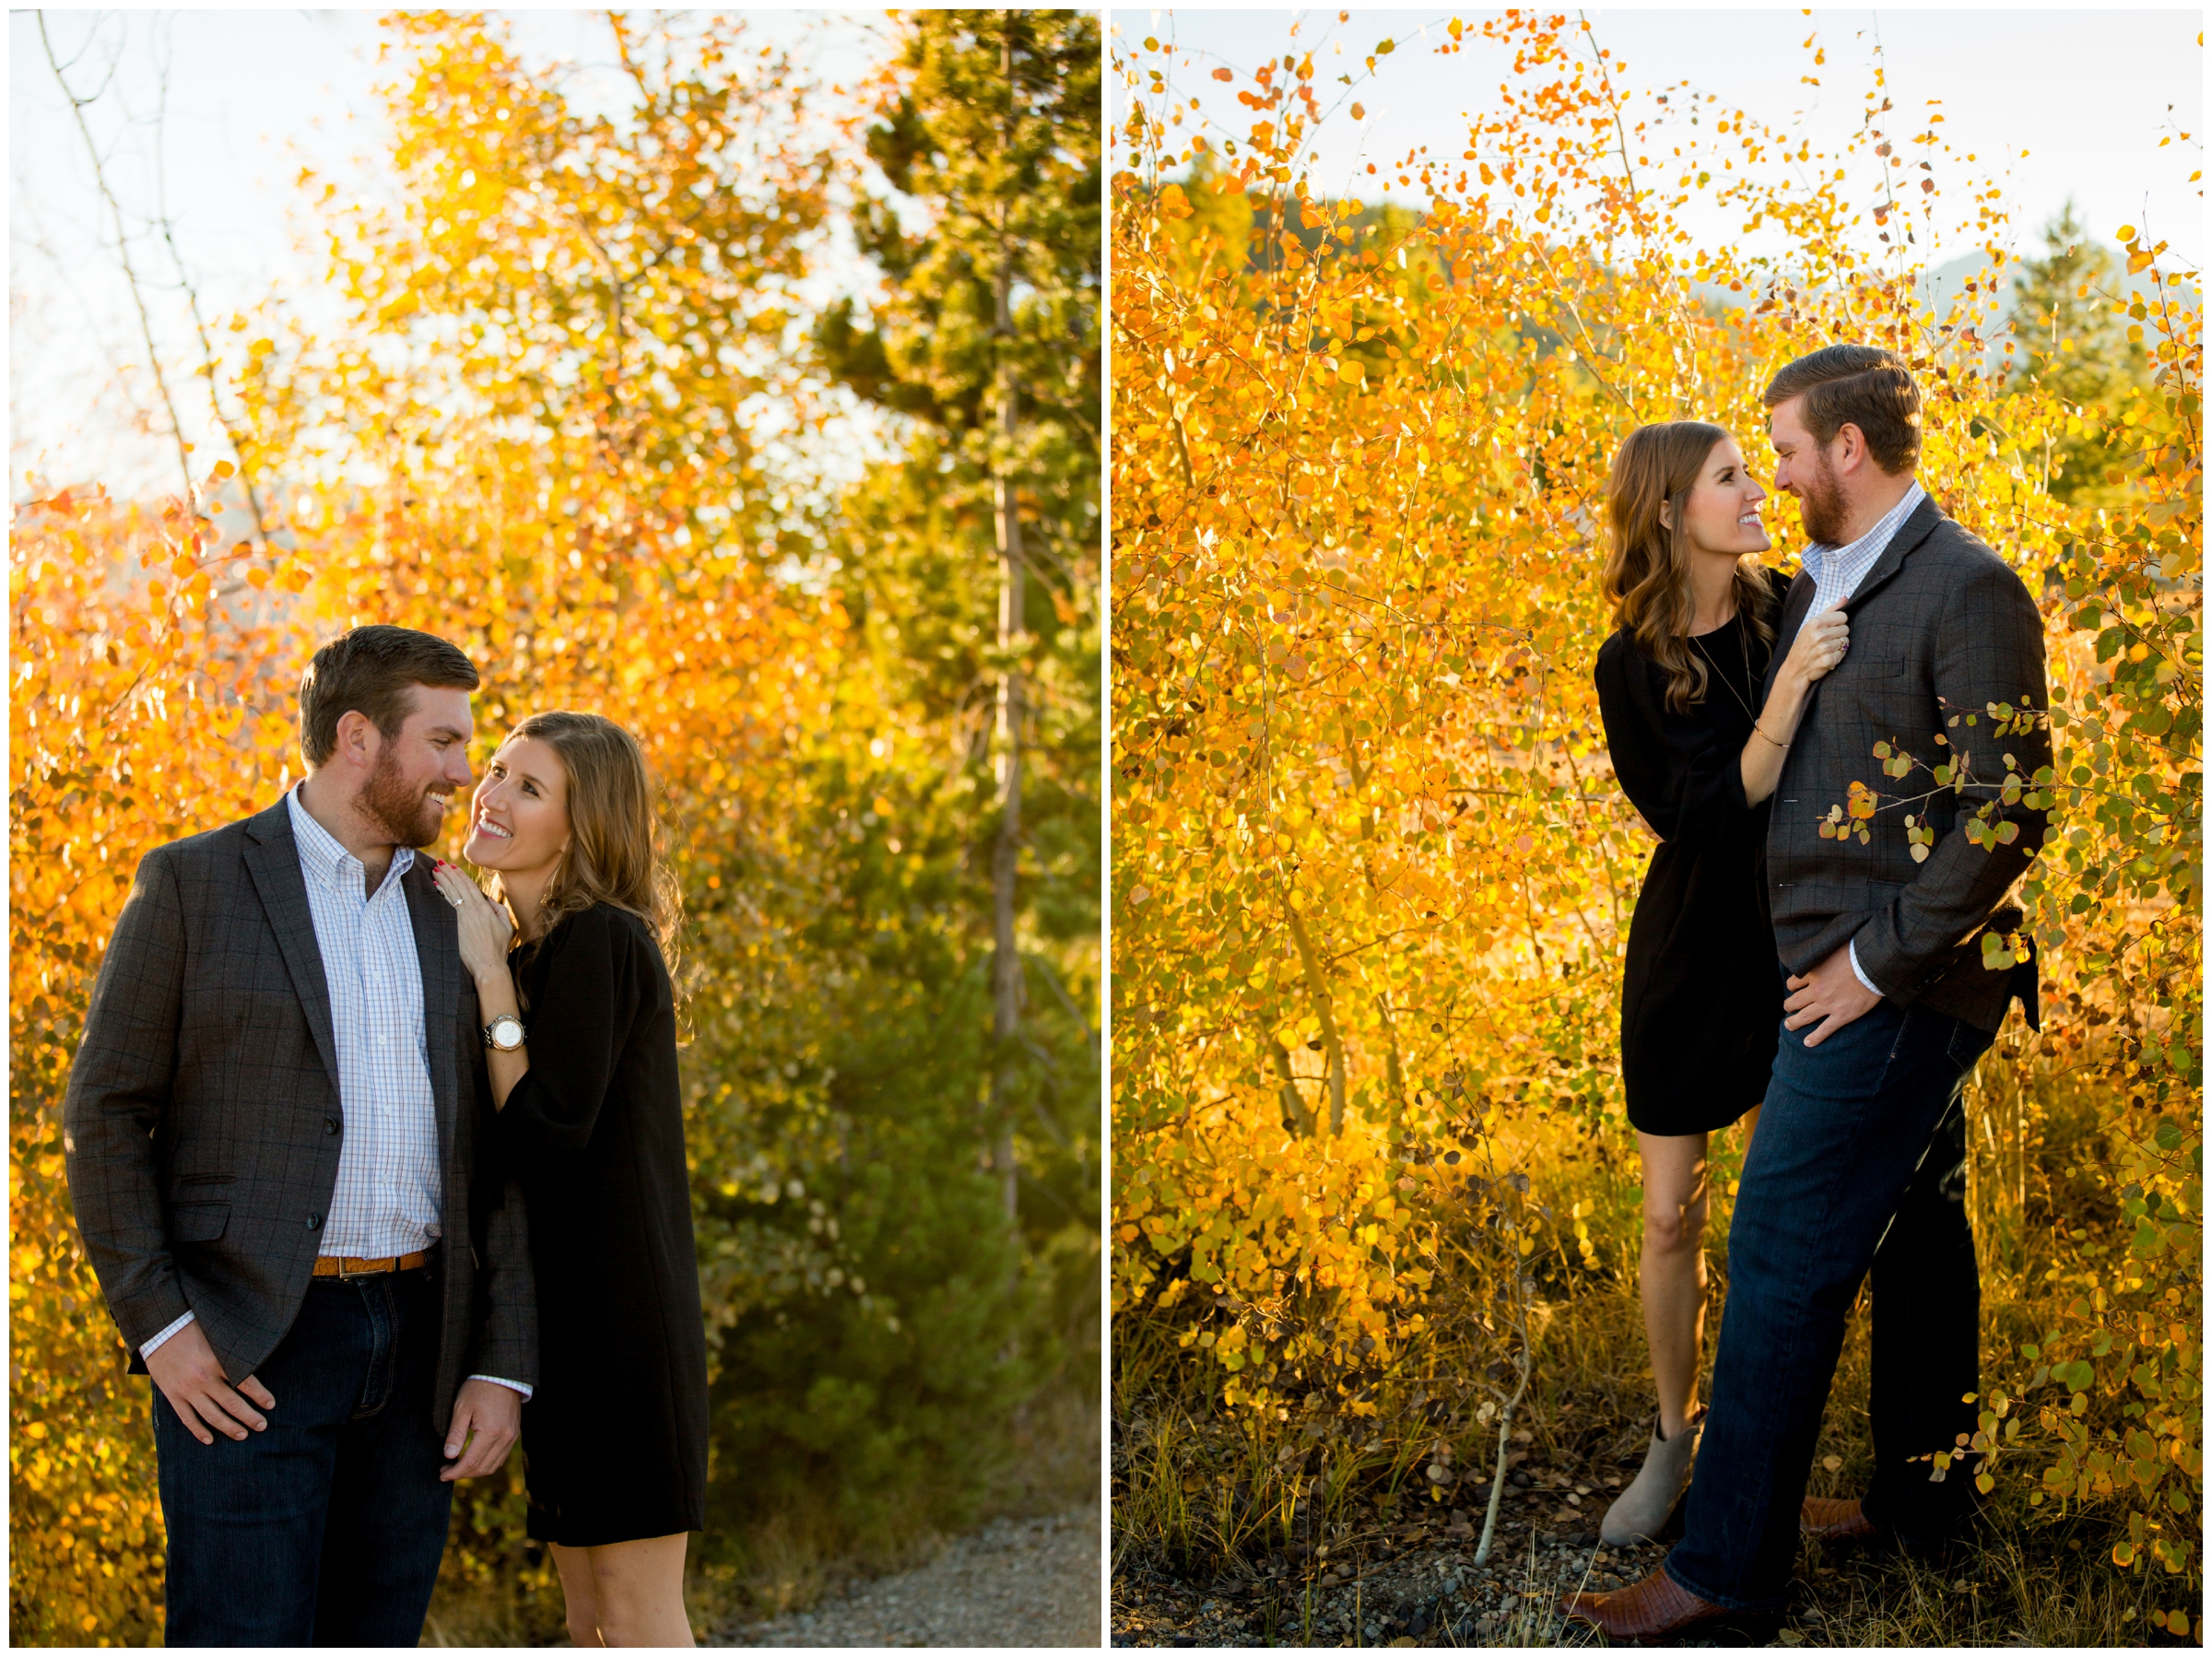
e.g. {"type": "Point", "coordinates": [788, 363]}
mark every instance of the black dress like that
{"type": "Point", "coordinates": [1701, 1000]}
{"type": "Point", "coordinates": [615, 1434]}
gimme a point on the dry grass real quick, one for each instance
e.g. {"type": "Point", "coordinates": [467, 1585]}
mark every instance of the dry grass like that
{"type": "Point", "coordinates": [461, 1616]}
{"type": "Point", "coordinates": [1185, 1513]}
{"type": "Point", "coordinates": [1208, 1507]}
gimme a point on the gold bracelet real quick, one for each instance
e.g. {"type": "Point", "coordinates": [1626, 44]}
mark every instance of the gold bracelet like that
{"type": "Point", "coordinates": [1755, 725]}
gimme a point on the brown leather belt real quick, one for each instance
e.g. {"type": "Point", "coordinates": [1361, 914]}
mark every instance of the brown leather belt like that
{"type": "Point", "coordinates": [349, 1266]}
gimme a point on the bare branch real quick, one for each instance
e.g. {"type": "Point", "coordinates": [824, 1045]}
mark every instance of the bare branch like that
{"type": "Point", "coordinates": [209, 364]}
{"type": "Point", "coordinates": [123, 248]}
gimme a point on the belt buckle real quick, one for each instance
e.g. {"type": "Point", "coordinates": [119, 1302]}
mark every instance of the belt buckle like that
{"type": "Point", "coordinates": [347, 1277]}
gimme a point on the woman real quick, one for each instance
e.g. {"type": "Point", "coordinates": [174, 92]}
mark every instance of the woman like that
{"type": "Point", "coordinates": [591, 1120]}
{"type": "Point", "coordinates": [1679, 687]}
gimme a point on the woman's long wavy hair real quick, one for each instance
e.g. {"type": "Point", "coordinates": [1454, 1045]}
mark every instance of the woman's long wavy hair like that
{"type": "Point", "coordinates": [1647, 565]}
{"type": "Point", "coordinates": [614, 852]}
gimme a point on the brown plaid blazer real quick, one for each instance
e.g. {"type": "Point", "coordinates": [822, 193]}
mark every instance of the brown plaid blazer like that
{"type": "Point", "coordinates": [202, 1123]}
{"type": "Point", "coordinates": [1939, 625]}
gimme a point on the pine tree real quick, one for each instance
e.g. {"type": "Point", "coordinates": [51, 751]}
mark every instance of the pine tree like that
{"type": "Point", "coordinates": [982, 539]}
{"type": "Point", "coordinates": [2066, 320]}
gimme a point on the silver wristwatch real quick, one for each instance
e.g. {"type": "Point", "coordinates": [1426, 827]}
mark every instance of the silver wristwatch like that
{"type": "Point", "coordinates": [504, 1033]}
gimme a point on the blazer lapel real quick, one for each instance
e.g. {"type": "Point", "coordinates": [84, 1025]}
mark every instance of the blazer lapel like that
{"type": "Point", "coordinates": [438, 953]}
{"type": "Point", "coordinates": [1794, 604]}
{"type": "Point", "coordinates": [272, 862]}
{"type": "Point", "coordinates": [1909, 534]}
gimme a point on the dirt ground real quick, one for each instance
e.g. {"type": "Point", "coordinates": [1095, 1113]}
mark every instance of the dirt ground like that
{"type": "Point", "coordinates": [1399, 1584]}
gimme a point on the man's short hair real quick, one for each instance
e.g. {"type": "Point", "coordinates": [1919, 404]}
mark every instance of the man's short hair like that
{"type": "Point", "coordinates": [1858, 385]}
{"type": "Point", "coordinates": [373, 671]}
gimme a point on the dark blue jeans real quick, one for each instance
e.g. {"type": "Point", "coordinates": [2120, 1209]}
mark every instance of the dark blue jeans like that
{"type": "Point", "coordinates": [1859, 1163]}
{"type": "Point", "coordinates": [328, 1528]}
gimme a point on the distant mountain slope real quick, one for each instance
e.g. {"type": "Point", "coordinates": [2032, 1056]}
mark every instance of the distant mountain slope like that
{"type": "Point", "coordinates": [1937, 287]}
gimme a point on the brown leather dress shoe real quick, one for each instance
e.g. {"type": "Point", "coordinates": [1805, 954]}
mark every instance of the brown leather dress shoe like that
{"type": "Point", "coordinates": [1836, 1519]}
{"type": "Point", "coordinates": [1654, 1612]}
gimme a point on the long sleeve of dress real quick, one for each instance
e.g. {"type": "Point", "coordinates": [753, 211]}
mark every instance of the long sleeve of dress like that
{"type": "Point", "coordinates": [579, 1026]}
{"type": "Point", "coordinates": [1682, 774]}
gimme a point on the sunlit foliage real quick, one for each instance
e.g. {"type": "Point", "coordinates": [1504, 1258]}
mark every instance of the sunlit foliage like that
{"type": "Point", "coordinates": [1372, 877]}
{"type": "Point", "coordinates": [570, 416]}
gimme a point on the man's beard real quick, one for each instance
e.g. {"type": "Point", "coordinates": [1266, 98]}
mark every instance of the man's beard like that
{"type": "Point", "coordinates": [1821, 506]}
{"type": "Point", "coordinates": [401, 811]}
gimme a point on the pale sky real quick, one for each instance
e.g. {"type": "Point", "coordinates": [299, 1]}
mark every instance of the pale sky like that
{"type": "Point", "coordinates": [2086, 93]}
{"type": "Point", "coordinates": [252, 96]}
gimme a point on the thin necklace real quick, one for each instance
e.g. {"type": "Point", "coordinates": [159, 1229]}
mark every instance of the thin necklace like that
{"type": "Point", "coordinates": [1723, 678]}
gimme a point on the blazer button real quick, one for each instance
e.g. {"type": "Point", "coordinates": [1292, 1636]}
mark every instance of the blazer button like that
{"type": "Point", "coordinates": [314, 1222]}
{"type": "Point", "coordinates": [330, 1124]}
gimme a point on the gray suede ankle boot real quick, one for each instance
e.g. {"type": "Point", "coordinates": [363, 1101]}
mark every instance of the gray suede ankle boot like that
{"type": "Point", "coordinates": [1639, 1511]}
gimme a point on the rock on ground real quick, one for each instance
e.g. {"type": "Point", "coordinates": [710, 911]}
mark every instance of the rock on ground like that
{"type": "Point", "coordinates": [1015, 1582]}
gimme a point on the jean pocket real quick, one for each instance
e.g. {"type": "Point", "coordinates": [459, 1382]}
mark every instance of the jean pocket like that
{"type": "Point", "coordinates": [1968, 1044]}
{"type": "Point", "coordinates": [1917, 1035]}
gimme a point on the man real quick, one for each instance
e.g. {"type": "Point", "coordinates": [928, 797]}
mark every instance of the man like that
{"type": "Point", "coordinates": [1859, 1162]}
{"type": "Point", "coordinates": [272, 1129]}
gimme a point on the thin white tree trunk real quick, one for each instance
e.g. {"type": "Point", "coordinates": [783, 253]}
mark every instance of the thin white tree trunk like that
{"type": "Point", "coordinates": [1006, 963]}
{"type": "Point", "coordinates": [1505, 1435]}
{"type": "Point", "coordinates": [1317, 989]}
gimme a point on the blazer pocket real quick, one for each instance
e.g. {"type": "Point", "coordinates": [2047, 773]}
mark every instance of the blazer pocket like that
{"type": "Point", "coordinates": [1874, 666]}
{"type": "Point", "coordinates": [1881, 692]}
{"type": "Point", "coordinates": [1871, 675]}
{"type": "Point", "coordinates": [1853, 895]}
{"type": "Point", "coordinates": [197, 1222]}
{"type": "Point", "coordinates": [184, 1179]}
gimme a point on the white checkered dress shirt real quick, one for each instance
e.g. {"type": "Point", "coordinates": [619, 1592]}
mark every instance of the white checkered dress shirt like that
{"type": "Point", "coordinates": [387, 1201]}
{"type": "Point", "coordinates": [1837, 572]}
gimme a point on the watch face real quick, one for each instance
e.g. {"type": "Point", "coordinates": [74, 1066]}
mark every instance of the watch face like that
{"type": "Point", "coordinates": [506, 1033]}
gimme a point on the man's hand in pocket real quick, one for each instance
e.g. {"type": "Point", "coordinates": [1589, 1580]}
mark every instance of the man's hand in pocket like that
{"type": "Point", "coordinates": [184, 1368]}
{"type": "Point", "coordinates": [1831, 995]}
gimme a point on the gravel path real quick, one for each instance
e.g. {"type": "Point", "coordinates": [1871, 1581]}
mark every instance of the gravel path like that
{"type": "Point", "coordinates": [1015, 1582]}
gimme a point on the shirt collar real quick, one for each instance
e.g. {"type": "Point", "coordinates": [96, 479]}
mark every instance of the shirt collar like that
{"type": "Point", "coordinates": [322, 856]}
{"type": "Point", "coordinates": [1822, 560]}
